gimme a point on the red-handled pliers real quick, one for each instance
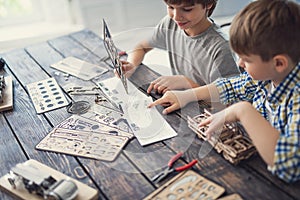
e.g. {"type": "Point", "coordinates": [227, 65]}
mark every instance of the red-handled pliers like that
{"type": "Point", "coordinates": [158, 177]}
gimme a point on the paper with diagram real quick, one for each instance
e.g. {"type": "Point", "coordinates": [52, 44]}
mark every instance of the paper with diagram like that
{"type": "Point", "coordinates": [147, 124]}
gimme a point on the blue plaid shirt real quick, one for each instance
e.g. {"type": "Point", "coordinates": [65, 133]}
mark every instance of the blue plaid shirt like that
{"type": "Point", "coordinates": [284, 102]}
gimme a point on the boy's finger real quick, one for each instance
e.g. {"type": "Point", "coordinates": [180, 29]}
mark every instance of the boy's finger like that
{"type": "Point", "coordinates": [116, 73]}
{"type": "Point", "coordinates": [157, 102]}
{"type": "Point", "coordinates": [169, 109]}
{"type": "Point", "coordinates": [204, 122]}
{"type": "Point", "coordinates": [150, 88]}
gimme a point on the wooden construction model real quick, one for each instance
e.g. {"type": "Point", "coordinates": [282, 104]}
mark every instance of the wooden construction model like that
{"type": "Point", "coordinates": [232, 142]}
{"type": "Point", "coordinates": [6, 93]}
{"type": "Point", "coordinates": [2, 87]}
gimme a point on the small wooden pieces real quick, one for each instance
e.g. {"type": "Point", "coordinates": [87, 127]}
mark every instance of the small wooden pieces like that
{"type": "Point", "coordinates": [187, 185]}
{"type": "Point", "coordinates": [232, 197]}
{"type": "Point", "coordinates": [232, 142]}
{"type": "Point", "coordinates": [79, 68]}
{"type": "Point", "coordinates": [46, 95]}
{"type": "Point", "coordinates": [84, 191]}
{"type": "Point", "coordinates": [6, 93]}
{"type": "Point", "coordinates": [83, 143]}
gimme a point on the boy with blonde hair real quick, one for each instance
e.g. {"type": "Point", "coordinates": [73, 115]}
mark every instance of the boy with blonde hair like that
{"type": "Point", "coordinates": [265, 99]}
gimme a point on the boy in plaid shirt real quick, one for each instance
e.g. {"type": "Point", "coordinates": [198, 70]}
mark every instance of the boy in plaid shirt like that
{"type": "Point", "coordinates": [265, 98]}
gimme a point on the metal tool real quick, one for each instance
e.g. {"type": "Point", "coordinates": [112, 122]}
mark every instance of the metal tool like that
{"type": "Point", "coordinates": [114, 55]}
{"type": "Point", "coordinates": [41, 183]}
{"type": "Point", "coordinates": [170, 169]}
{"type": "Point", "coordinates": [78, 107]}
{"type": "Point", "coordinates": [80, 90]}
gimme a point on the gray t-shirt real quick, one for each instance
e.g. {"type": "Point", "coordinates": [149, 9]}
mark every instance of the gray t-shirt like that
{"type": "Point", "coordinates": [202, 58]}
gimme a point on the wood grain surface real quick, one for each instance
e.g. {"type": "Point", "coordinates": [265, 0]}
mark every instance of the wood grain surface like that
{"type": "Point", "coordinates": [129, 176]}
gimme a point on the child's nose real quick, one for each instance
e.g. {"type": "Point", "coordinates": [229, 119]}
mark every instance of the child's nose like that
{"type": "Point", "coordinates": [176, 15]}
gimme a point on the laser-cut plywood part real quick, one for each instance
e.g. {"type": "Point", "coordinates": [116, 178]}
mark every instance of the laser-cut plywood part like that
{"type": "Point", "coordinates": [83, 143]}
{"type": "Point", "coordinates": [232, 197]}
{"type": "Point", "coordinates": [84, 191]}
{"type": "Point", "coordinates": [46, 95]}
{"type": "Point", "coordinates": [6, 93]}
{"type": "Point", "coordinates": [187, 185]}
{"type": "Point", "coordinates": [232, 142]}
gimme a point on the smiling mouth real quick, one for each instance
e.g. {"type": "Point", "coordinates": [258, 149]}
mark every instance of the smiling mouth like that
{"type": "Point", "coordinates": [181, 23]}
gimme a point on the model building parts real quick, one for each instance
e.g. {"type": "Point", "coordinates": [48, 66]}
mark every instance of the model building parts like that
{"type": "Point", "coordinates": [2, 87]}
{"type": "Point", "coordinates": [41, 183]}
{"type": "Point", "coordinates": [187, 185]}
{"type": "Point", "coordinates": [233, 143]}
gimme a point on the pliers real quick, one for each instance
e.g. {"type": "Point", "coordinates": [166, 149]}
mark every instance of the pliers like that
{"type": "Point", "coordinates": [170, 169]}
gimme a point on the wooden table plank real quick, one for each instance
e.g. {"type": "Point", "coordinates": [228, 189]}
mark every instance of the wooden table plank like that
{"type": "Point", "coordinates": [29, 127]}
{"type": "Point", "coordinates": [129, 188]}
{"type": "Point", "coordinates": [92, 42]}
{"type": "Point", "coordinates": [11, 153]}
{"type": "Point", "coordinates": [127, 177]}
{"type": "Point", "coordinates": [141, 77]}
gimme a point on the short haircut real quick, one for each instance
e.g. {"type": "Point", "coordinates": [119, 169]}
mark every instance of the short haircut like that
{"type": "Point", "coordinates": [193, 2]}
{"type": "Point", "coordinates": [267, 28]}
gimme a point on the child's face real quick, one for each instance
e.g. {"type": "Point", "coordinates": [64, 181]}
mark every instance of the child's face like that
{"type": "Point", "coordinates": [187, 17]}
{"type": "Point", "coordinates": [257, 68]}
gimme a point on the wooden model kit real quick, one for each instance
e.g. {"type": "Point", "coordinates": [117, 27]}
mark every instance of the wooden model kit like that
{"type": "Point", "coordinates": [83, 143]}
{"type": "Point", "coordinates": [2, 87]}
{"type": "Point", "coordinates": [46, 95]}
{"type": "Point", "coordinates": [232, 142]}
{"type": "Point", "coordinates": [6, 93]}
{"type": "Point", "coordinates": [79, 68]}
{"type": "Point", "coordinates": [80, 123]}
{"type": "Point", "coordinates": [34, 180]}
{"type": "Point", "coordinates": [109, 117]}
{"type": "Point", "coordinates": [187, 185]}
{"type": "Point", "coordinates": [84, 137]}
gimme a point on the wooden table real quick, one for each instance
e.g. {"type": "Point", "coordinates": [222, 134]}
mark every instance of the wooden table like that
{"type": "Point", "coordinates": [129, 176]}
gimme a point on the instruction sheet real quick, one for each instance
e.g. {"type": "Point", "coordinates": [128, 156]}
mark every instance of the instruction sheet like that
{"type": "Point", "coordinates": [147, 124]}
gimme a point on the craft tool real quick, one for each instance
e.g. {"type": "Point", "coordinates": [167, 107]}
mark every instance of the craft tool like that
{"type": "Point", "coordinates": [187, 185]}
{"type": "Point", "coordinates": [114, 55]}
{"type": "Point", "coordinates": [80, 90]}
{"type": "Point", "coordinates": [170, 169]}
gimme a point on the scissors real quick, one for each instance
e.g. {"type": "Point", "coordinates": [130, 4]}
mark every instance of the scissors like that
{"type": "Point", "coordinates": [114, 55]}
{"type": "Point", "coordinates": [170, 169]}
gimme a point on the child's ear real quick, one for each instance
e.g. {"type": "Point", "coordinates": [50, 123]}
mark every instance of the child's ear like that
{"type": "Point", "coordinates": [208, 7]}
{"type": "Point", "coordinates": [281, 63]}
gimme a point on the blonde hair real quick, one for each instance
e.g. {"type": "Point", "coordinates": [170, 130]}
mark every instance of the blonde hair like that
{"type": "Point", "coordinates": [267, 28]}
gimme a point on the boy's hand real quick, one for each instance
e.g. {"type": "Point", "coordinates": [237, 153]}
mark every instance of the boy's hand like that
{"type": "Point", "coordinates": [173, 100]}
{"type": "Point", "coordinates": [127, 67]}
{"type": "Point", "coordinates": [217, 120]}
{"type": "Point", "coordinates": [165, 83]}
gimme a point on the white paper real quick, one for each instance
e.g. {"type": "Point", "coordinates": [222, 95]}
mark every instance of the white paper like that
{"type": "Point", "coordinates": [147, 123]}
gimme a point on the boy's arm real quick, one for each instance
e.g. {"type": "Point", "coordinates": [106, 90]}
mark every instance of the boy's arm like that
{"type": "Point", "coordinates": [261, 132]}
{"type": "Point", "coordinates": [176, 82]}
{"type": "Point", "coordinates": [135, 57]}
{"type": "Point", "coordinates": [174, 100]}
